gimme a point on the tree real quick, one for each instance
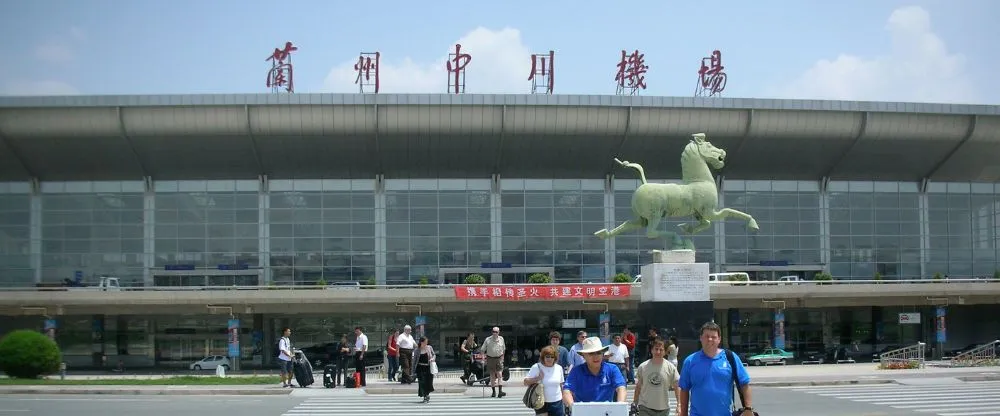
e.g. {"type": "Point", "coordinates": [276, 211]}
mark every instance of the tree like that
{"type": "Point", "coordinates": [28, 354]}
{"type": "Point", "coordinates": [539, 279]}
{"type": "Point", "coordinates": [622, 278]}
{"type": "Point", "coordinates": [475, 279]}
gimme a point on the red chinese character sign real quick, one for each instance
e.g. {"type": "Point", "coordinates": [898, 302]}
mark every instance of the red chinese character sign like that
{"type": "Point", "coordinates": [711, 76]}
{"type": "Point", "coordinates": [367, 69]}
{"type": "Point", "coordinates": [280, 76]}
{"type": "Point", "coordinates": [543, 292]}
{"type": "Point", "coordinates": [631, 75]}
{"type": "Point", "coordinates": [456, 70]}
{"type": "Point", "coordinates": [542, 75]}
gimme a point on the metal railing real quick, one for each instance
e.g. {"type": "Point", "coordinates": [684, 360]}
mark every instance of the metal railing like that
{"type": "Point", "coordinates": [450, 286]}
{"type": "Point", "coordinates": [911, 357]}
{"type": "Point", "coordinates": [983, 355]}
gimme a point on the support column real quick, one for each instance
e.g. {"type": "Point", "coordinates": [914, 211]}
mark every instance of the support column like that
{"type": "Point", "coordinates": [264, 232]}
{"type": "Point", "coordinates": [148, 232]}
{"type": "Point", "coordinates": [925, 231]}
{"type": "Point", "coordinates": [380, 232]}
{"type": "Point", "coordinates": [610, 262]}
{"type": "Point", "coordinates": [824, 225]}
{"type": "Point", "coordinates": [940, 330]}
{"type": "Point", "coordinates": [733, 328]}
{"type": "Point", "coordinates": [779, 329]}
{"type": "Point", "coordinates": [496, 228]}
{"type": "Point", "coordinates": [35, 228]}
{"type": "Point", "coordinates": [97, 340]}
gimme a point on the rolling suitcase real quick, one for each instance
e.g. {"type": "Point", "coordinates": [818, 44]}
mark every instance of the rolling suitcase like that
{"type": "Point", "coordinates": [329, 374]}
{"type": "Point", "coordinates": [302, 370]}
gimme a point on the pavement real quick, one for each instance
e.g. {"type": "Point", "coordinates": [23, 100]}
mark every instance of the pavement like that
{"type": "Point", "coordinates": [800, 375]}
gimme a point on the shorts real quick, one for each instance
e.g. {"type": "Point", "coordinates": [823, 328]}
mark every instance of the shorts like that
{"type": "Point", "coordinates": [285, 366]}
{"type": "Point", "coordinates": [494, 365]}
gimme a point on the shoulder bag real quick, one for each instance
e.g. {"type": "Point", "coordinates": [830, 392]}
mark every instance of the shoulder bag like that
{"type": "Point", "coordinates": [534, 396]}
{"type": "Point", "coordinates": [731, 356]}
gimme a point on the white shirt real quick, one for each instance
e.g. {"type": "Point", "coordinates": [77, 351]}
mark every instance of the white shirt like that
{"type": "Point", "coordinates": [406, 341]}
{"type": "Point", "coordinates": [617, 353]}
{"type": "Point", "coordinates": [284, 344]}
{"type": "Point", "coordinates": [361, 344]}
{"type": "Point", "coordinates": [552, 379]}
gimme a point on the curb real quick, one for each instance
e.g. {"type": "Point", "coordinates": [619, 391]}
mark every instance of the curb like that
{"type": "Point", "coordinates": [979, 378]}
{"type": "Point", "coordinates": [411, 390]}
{"type": "Point", "coordinates": [149, 392]}
{"type": "Point", "coordinates": [818, 383]}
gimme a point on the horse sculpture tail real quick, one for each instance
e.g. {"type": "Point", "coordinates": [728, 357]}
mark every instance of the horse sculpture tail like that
{"type": "Point", "coordinates": [636, 166]}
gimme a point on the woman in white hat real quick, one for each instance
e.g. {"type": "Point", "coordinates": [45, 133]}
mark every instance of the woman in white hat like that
{"type": "Point", "coordinates": [597, 381]}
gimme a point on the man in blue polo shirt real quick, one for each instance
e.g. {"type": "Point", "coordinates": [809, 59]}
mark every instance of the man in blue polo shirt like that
{"type": "Point", "coordinates": [597, 381]}
{"type": "Point", "coordinates": [707, 380]}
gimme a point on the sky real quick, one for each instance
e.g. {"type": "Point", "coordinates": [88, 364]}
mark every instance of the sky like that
{"type": "Point", "coordinates": [942, 51]}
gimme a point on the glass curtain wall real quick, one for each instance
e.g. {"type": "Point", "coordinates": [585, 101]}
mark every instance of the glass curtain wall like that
{"type": "Point", "coordinates": [92, 228]}
{"type": "Point", "coordinates": [550, 222]}
{"type": "Point", "coordinates": [15, 234]}
{"type": "Point", "coordinates": [964, 228]}
{"type": "Point", "coordinates": [632, 248]}
{"type": "Point", "coordinates": [433, 224]}
{"type": "Point", "coordinates": [788, 215]}
{"type": "Point", "coordinates": [206, 223]}
{"type": "Point", "coordinates": [322, 230]}
{"type": "Point", "coordinates": [874, 230]}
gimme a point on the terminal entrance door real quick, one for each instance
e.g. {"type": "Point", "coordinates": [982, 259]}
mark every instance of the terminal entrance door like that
{"type": "Point", "coordinates": [206, 280]}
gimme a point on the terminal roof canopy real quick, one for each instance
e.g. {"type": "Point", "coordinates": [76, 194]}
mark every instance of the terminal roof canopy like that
{"type": "Point", "coordinates": [526, 136]}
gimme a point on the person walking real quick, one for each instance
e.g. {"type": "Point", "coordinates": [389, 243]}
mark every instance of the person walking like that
{"type": "Point", "coordinates": [406, 345]}
{"type": "Point", "coordinates": [285, 357]}
{"type": "Point", "coordinates": [392, 355]}
{"type": "Point", "coordinates": [595, 381]}
{"type": "Point", "coordinates": [550, 375]}
{"type": "Point", "coordinates": [426, 369]}
{"type": "Point", "coordinates": [495, 349]}
{"type": "Point", "coordinates": [655, 378]}
{"type": "Point", "coordinates": [706, 382]}
{"type": "Point", "coordinates": [465, 355]}
{"type": "Point", "coordinates": [672, 350]}
{"type": "Point", "coordinates": [360, 349]}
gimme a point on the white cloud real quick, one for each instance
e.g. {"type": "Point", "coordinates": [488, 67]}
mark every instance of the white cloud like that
{"type": "Point", "coordinates": [500, 64]}
{"type": "Point", "coordinates": [918, 68]}
{"type": "Point", "coordinates": [39, 88]}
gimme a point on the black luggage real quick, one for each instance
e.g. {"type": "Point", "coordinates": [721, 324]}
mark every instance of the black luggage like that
{"type": "Point", "coordinates": [302, 370]}
{"type": "Point", "coordinates": [349, 382]}
{"type": "Point", "coordinates": [329, 376]}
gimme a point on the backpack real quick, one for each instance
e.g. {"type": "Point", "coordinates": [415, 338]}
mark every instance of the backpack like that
{"type": "Point", "coordinates": [534, 396]}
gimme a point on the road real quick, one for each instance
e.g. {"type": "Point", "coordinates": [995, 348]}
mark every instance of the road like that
{"type": "Point", "coordinates": [929, 396]}
{"type": "Point", "coordinates": [102, 405]}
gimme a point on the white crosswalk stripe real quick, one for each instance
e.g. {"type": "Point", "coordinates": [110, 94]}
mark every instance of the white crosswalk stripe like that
{"type": "Point", "coordinates": [445, 404]}
{"type": "Point", "coordinates": [946, 399]}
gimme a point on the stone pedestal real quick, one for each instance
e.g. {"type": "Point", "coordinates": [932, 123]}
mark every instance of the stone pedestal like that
{"type": "Point", "coordinates": [675, 298]}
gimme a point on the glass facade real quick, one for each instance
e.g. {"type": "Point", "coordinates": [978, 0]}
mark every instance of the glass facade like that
{"type": "Point", "coordinates": [788, 213]}
{"type": "Point", "coordinates": [551, 223]}
{"type": "Point", "coordinates": [401, 230]}
{"type": "Point", "coordinates": [964, 228]}
{"type": "Point", "coordinates": [321, 230]}
{"type": "Point", "coordinates": [432, 224]}
{"type": "Point", "coordinates": [92, 228]}
{"type": "Point", "coordinates": [875, 230]}
{"type": "Point", "coordinates": [15, 234]}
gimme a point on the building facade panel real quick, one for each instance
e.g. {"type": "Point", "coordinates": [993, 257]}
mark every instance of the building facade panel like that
{"type": "Point", "coordinates": [964, 229]}
{"type": "Point", "coordinates": [16, 257]}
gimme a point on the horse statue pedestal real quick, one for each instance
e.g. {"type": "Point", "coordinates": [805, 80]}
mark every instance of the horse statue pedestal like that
{"type": "Point", "coordinates": [675, 297]}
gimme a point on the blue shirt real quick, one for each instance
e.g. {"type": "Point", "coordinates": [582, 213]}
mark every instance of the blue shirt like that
{"type": "Point", "coordinates": [709, 382]}
{"type": "Point", "coordinates": [586, 387]}
{"type": "Point", "coordinates": [563, 359]}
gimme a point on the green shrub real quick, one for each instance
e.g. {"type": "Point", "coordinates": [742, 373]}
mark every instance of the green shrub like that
{"type": "Point", "coordinates": [475, 279]}
{"type": "Point", "coordinates": [28, 354]}
{"type": "Point", "coordinates": [539, 279]}
{"type": "Point", "coordinates": [622, 278]}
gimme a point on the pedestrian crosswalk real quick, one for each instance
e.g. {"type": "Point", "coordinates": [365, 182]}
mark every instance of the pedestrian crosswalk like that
{"type": "Point", "coordinates": [445, 404]}
{"type": "Point", "coordinates": [941, 399]}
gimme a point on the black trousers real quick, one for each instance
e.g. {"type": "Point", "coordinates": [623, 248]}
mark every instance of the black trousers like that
{"type": "Point", "coordinates": [406, 364]}
{"type": "Point", "coordinates": [359, 365]}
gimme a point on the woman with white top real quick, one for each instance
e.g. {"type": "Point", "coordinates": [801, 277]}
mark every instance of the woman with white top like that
{"type": "Point", "coordinates": [550, 375]}
{"type": "Point", "coordinates": [425, 369]}
{"type": "Point", "coordinates": [672, 351]}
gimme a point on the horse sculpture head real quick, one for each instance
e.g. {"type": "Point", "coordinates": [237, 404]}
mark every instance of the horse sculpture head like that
{"type": "Point", "coordinates": [705, 150]}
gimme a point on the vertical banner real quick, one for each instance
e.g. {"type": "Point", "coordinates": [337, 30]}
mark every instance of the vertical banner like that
{"type": "Point", "coordinates": [604, 326]}
{"type": "Point", "coordinates": [779, 328]}
{"type": "Point", "coordinates": [421, 323]}
{"type": "Point", "coordinates": [940, 326]}
{"type": "Point", "coordinates": [50, 328]}
{"type": "Point", "coordinates": [234, 338]}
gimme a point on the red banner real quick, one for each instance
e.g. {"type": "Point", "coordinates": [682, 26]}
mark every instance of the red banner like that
{"type": "Point", "coordinates": [544, 292]}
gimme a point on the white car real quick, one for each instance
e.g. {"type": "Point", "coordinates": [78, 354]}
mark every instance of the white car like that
{"type": "Point", "coordinates": [211, 363]}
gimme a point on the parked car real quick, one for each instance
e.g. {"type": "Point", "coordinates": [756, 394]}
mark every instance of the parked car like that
{"type": "Point", "coordinates": [211, 363]}
{"type": "Point", "coordinates": [836, 355]}
{"type": "Point", "coordinates": [771, 356]}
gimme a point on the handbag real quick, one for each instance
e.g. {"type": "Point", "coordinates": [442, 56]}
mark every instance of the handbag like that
{"type": "Point", "coordinates": [534, 396]}
{"type": "Point", "coordinates": [432, 358]}
{"type": "Point", "coordinates": [731, 356]}
{"type": "Point", "coordinates": [434, 367]}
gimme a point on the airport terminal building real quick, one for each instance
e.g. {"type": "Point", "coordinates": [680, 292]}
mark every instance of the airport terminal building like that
{"type": "Point", "coordinates": [269, 189]}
